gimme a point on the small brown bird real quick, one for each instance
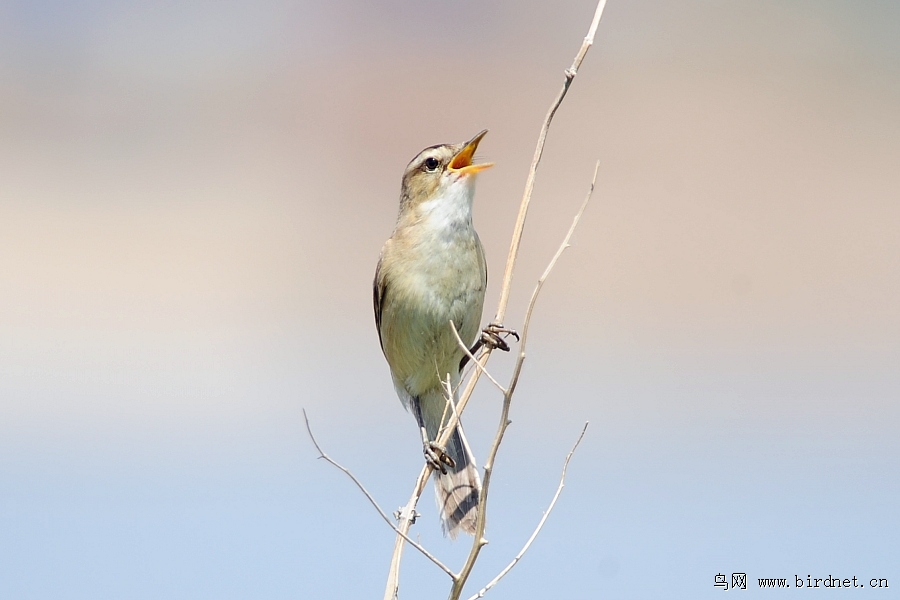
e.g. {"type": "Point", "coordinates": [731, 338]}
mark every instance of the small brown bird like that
{"type": "Point", "coordinates": [432, 271]}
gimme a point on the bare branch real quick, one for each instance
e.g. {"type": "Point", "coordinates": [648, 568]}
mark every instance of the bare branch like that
{"type": "Point", "coordinates": [404, 523]}
{"type": "Point", "coordinates": [478, 365]}
{"type": "Point", "coordinates": [553, 261]}
{"type": "Point", "coordinates": [540, 525]}
{"type": "Point", "coordinates": [481, 520]}
{"type": "Point", "coordinates": [538, 152]}
{"type": "Point", "coordinates": [362, 488]}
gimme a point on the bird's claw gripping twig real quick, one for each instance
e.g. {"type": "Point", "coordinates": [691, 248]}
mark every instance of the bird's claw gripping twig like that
{"type": "Point", "coordinates": [490, 336]}
{"type": "Point", "coordinates": [438, 458]}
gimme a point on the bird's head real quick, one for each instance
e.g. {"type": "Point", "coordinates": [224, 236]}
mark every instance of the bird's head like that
{"type": "Point", "coordinates": [441, 170]}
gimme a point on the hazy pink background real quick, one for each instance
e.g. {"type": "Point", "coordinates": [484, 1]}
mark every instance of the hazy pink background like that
{"type": "Point", "coordinates": [192, 201]}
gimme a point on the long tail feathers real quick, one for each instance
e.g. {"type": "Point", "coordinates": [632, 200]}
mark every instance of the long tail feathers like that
{"type": "Point", "coordinates": [459, 490]}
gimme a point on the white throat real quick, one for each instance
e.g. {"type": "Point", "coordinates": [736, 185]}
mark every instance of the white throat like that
{"type": "Point", "coordinates": [451, 209]}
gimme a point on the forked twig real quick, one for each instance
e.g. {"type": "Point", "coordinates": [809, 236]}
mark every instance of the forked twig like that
{"type": "Point", "coordinates": [540, 525]}
{"type": "Point", "coordinates": [481, 520]}
{"type": "Point", "coordinates": [363, 489]}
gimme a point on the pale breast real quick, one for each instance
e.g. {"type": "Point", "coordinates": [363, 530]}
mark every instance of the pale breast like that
{"type": "Point", "coordinates": [434, 279]}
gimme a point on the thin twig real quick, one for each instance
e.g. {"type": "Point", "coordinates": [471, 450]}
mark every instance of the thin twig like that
{"type": "Point", "coordinates": [468, 352]}
{"type": "Point", "coordinates": [553, 261]}
{"type": "Point", "coordinates": [481, 519]}
{"type": "Point", "coordinates": [362, 488]}
{"type": "Point", "coordinates": [403, 525]}
{"type": "Point", "coordinates": [448, 390]}
{"type": "Point", "coordinates": [540, 525]}
{"type": "Point", "coordinates": [535, 161]}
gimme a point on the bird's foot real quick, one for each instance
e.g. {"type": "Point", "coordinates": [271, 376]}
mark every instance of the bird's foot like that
{"type": "Point", "coordinates": [490, 336]}
{"type": "Point", "coordinates": [437, 457]}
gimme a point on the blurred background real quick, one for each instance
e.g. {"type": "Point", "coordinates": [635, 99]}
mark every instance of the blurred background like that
{"type": "Point", "coordinates": [193, 197]}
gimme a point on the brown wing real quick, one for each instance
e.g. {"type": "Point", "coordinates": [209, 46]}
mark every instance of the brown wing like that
{"type": "Point", "coordinates": [379, 290]}
{"type": "Point", "coordinates": [483, 261]}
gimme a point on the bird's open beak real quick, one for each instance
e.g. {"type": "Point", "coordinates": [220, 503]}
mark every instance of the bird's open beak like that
{"type": "Point", "coordinates": [462, 162]}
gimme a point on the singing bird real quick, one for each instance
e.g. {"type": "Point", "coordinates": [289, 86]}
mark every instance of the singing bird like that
{"type": "Point", "coordinates": [432, 271]}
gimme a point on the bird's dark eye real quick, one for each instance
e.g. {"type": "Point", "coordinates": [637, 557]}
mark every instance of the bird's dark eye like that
{"type": "Point", "coordinates": [431, 163]}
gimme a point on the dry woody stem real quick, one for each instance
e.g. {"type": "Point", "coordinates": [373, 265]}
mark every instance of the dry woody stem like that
{"type": "Point", "coordinates": [540, 525]}
{"type": "Point", "coordinates": [481, 520]}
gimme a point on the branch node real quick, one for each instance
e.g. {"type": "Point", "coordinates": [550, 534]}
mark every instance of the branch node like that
{"type": "Point", "coordinates": [403, 514]}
